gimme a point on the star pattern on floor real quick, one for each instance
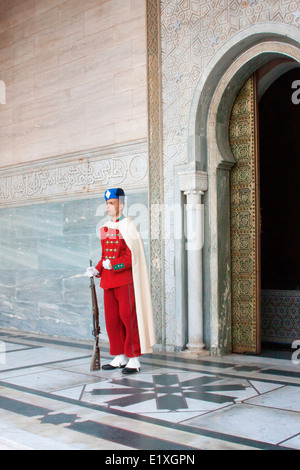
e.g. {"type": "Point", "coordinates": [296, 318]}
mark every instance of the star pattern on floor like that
{"type": "Point", "coordinates": [59, 418]}
{"type": "Point", "coordinates": [169, 392]}
{"type": "Point", "coordinates": [50, 399]}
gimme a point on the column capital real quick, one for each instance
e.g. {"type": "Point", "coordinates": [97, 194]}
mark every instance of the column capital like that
{"type": "Point", "coordinates": [193, 191]}
{"type": "Point", "coordinates": [193, 199]}
{"type": "Point", "coordinates": [193, 181]}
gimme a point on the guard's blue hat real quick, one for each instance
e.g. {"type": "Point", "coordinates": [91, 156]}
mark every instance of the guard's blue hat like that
{"type": "Point", "coordinates": [114, 193]}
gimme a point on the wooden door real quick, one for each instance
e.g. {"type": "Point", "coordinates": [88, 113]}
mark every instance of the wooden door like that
{"type": "Point", "coordinates": [245, 222]}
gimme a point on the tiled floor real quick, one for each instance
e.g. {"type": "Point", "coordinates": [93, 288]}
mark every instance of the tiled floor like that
{"type": "Point", "coordinates": [49, 399]}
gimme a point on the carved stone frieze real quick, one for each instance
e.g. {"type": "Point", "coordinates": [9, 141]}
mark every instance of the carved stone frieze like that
{"type": "Point", "coordinates": [74, 176]}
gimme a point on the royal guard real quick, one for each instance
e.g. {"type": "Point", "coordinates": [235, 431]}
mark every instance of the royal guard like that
{"type": "Point", "coordinates": [124, 278]}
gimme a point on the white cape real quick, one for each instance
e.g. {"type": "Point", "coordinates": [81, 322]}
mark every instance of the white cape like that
{"type": "Point", "coordinates": [144, 311]}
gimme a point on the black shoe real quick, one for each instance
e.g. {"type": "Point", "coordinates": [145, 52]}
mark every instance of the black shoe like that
{"type": "Point", "coordinates": [129, 370]}
{"type": "Point", "coordinates": [110, 367]}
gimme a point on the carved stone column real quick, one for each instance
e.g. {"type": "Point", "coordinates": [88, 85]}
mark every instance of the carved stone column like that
{"type": "Point", "coordinates": [193, 184]}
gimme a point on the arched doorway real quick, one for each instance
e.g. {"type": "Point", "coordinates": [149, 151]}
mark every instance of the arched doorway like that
{"type": "Point", "coordinates": [279, 113]}
{"type": "Point", "coordinates": [264, 262]}
{"type": "Point", "coordinates": [210, 152]}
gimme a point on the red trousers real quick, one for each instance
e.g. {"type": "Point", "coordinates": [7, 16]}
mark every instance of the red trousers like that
{"type": "Point", "coordinates": [121, 321]}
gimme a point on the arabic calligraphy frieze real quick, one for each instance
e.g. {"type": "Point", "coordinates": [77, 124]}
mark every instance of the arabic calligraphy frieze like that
{"type": "Point", "coordinates": [67, 177]}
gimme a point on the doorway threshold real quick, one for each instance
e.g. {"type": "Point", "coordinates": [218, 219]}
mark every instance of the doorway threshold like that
{"type": "Point", "coordinates": [276, 350]}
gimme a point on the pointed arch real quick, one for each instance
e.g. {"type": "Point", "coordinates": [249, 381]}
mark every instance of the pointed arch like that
{"type": "Point", "coordinates": [209, 150]}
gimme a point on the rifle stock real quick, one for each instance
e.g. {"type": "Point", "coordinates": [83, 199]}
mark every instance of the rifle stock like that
{"type": "Point", "coordinates": [95, 362]}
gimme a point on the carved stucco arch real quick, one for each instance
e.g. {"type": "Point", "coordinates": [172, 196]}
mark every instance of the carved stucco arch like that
{"type": "Point", "coordinates": [209, 151]}
{"type": "Point", "coordinates": [238, 58]}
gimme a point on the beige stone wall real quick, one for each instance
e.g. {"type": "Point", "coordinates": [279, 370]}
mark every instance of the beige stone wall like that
{"type": "Point", "coordinates": [75, 76]}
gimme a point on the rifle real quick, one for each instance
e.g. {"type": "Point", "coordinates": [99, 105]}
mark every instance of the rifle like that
{"type": "Point", "coordinates": [95, 363]}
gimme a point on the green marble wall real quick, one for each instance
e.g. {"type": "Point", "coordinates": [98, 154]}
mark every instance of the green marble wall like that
{"type": "Point", "coordinates": [44, 252]}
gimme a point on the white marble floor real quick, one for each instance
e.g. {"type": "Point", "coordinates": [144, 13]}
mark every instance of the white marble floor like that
{"type": "Point", "coordinates": [49, 399]}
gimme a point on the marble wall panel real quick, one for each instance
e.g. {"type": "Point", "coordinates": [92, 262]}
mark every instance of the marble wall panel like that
{"type": "Point", "coordinates": [76, 289]}
{"type": "Point", "coordinates": [23, 50]}
{"type": "Point", "coordinates": [33, 66]}
{"type": "Point", "coordinates": [69, 8]}
{"type": "Point", "coordinates": [63, 77]}
{"type": "Point", "coordinates": [132, 129]}
{"type": "Point", "coordinates": [106, 15]}
{"type": "Point", "coordinates": [83, 48]}
{"type": "Point", "coordinates": [64, 32]}
{"type": "Point", "coordinates": [60, 61]}
{"type": "Point", "coordinates": [7, 38]}
{"type": "Point", "coordinates": [44, 6]}
{"type": "Point", "coordinates": [35, 24]}
{"type": "Point", "coordinates": [32, 109]}
{"type": "Point", "coordinates": [65, 320]}
{"type": "Point", "coordinates": [44, 252]}
{"type": "Point", "coordinates": [39, 285]}
{"type": "Point", "coordinates": [17, 317]}
{"type": "Point", "coordinates": [6, 117]}
{"type": "Point", "coordinates": [64, 252]}
{"type": "Point", "coordinates": [7, 285]}
{"type": "Point", "coordinates": [16, 14]}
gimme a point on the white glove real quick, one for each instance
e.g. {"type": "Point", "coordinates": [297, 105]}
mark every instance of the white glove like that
{"type": "Point", "coordinates": [106, 264]}
{"type": "Point", "coordinates": [91, 271]}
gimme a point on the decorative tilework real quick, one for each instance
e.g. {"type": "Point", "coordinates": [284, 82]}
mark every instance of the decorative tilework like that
{"type": "Point", "coordinates": [155, 165]}
{"type": "Point", "coordinates": [280, 315]}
